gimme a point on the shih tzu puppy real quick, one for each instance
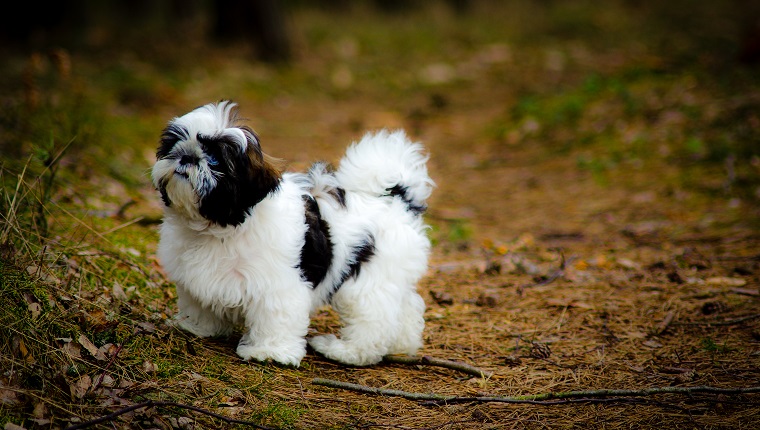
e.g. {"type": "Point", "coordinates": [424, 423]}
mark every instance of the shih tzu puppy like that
{"type": "Point", "coordinates": [249, 245]}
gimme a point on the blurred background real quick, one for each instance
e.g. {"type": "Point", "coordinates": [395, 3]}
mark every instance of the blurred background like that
{"type": "Point", "coordinates": [536, 113]}
{"type": "Point", "coordinates": [621, 134]}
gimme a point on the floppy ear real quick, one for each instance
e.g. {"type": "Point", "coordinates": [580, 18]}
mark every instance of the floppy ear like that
{"type": "Point", "coordinates": [246, 177]}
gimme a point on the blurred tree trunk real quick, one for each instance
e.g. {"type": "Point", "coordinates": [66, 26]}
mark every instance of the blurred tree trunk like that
{"type": "Point", "coordinates": [259, 21]}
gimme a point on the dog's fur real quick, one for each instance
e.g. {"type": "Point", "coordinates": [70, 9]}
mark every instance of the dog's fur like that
{"type": "Point", "coordinates": [246, 244]}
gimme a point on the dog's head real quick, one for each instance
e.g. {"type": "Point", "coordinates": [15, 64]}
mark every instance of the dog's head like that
{"type": "Point", "coordinates": [209, 167]}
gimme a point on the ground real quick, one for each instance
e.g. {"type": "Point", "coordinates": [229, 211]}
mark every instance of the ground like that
{"type": "Point", "coordinates": [594, 225]}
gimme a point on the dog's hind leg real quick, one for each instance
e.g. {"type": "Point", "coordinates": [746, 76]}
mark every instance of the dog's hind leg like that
{"type": "Point", "coordinates": [409, 338]}
{"type": "Point", "coordinates": [373, 324]}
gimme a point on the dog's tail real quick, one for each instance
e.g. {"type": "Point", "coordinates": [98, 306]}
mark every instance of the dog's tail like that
{"type": "Point", "coordinates": [387, 164]}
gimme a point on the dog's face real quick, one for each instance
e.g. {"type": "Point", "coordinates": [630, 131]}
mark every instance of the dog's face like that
{"type": "Point", "coordinates": [210, 168]}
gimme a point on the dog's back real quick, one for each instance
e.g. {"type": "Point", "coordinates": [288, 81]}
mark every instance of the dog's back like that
{"type": "Point", "coordinates": [373, 204]}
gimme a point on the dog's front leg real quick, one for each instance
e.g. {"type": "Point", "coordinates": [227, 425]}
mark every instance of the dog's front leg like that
{"type": "Point", "coordinates": [196, 318]}
{"type": "Point", "coordinates": [276, 326]}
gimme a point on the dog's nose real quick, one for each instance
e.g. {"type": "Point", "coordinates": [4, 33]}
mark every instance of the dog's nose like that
{"type": "Point", "coordinates": [187, 159]}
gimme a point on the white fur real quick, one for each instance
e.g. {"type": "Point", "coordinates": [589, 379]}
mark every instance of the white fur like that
{"type": "Point", "coordinates": [248, 274]}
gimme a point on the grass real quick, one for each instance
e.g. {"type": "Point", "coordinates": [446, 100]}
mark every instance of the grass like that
{"type": "Point", "coordinates": [614, 135]}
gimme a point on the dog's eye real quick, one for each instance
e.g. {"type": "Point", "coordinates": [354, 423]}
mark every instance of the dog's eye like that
{"type": "Point", "coordinates": [211, 160]}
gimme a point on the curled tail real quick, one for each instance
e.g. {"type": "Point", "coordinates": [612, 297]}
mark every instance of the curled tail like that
{"type": "Point", "coordinates": [387, 164]}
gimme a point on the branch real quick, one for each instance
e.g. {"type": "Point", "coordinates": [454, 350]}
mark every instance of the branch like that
{"type": "Point", "coordinates": [153, 403]}
{"type": "Point", "coordinates": [723, 323]}
{"type": "Point", "coordinates": [430, 361]}
{"type": "Point", "coordinates": [586, 396]}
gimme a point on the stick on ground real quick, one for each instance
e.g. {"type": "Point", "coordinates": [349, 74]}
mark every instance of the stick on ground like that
{"type": "Point", "coordinates": [545, 399]}
{"type": "Point", "coordinates": [431, 361]}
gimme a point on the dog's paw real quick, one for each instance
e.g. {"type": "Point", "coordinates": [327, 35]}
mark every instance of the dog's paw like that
{"type": "Point", "coordinates": [261, 354]}
{"type": "Point", "coordinates": [345, 352]}
{"type": "Point", "coordinates": [323, 344]}
{"type": "Point", "coordinates": [199, 328]}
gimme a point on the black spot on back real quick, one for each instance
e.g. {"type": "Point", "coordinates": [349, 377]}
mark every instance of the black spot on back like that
{"type": "Point", "coordinates": [316, 254]}
{"type": "Point", "coordinates": [361, 254]}
{"type": "Point", "coordinates": [403, 192]}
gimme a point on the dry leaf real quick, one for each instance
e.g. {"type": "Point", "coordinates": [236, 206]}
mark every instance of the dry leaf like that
{"type": "Point", "coordinates": [652, 344]}
{"type": "Point", "coordinates": [118, 292]}
{"type": "Point", "coordinates": [149, 367]}
{"type": "Point", "coordinates": [746, 291]}
{"type": "Point", "coordinates": [25, 354]}
{"type": "Point", "coordinates": [35, 310]}
{"type": "Point", "coordinates": [108, 350]}
{"type": "Point", "coordinates": [147, 327]}
{"type": "Point", "coordinates": [7, 397]}
{"type": "Point", "coordinates": [91, 348]}
{"type": "Point", "coordinates": [489, 300]}
{"type": "Point", "coordinates": [80, 388]}
{"type": "Point", "coordinates": [562, 302]}
{"type": "Point", "coordinates": [40, 410]}
{"type": "Point", "coordinates": [11, 426]}
{"type": "Point", "coordinates": [72, 350]}
{"type": "Point", "coordinates": [729, 282]}
{"type": "Point", "coordinates": [107, 381]}
{"type": "Point", "coordinates": [442, 298]}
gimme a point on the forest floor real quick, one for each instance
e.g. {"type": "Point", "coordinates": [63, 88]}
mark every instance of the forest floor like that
{"type": "Point", "coordinates": [595, 224]}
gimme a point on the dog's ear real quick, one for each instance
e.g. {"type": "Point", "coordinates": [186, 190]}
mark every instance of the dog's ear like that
{"type": "Point", "coordinates": [246, 176]}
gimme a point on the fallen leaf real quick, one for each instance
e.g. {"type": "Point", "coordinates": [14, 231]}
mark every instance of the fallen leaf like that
{"type": "Point", "coordinates": [7, 397]}
{"type": "Point", "coordinates": [80, 388]}
{"type": "Point", "coordinates": [149, 367]}
{"type": "Point", "coordinates": [40, 410]}
{"type": "Point", "coordinates": [628, 264]}
{"type": "Point", "coordinates": [652, 344]}
{"type": "Point", "coordinates": [35, 310]}
{"type": "Point", "coordinates": [107, 381]}
{"type": "Point", "coordinates": [118, 292]}
{"type": "Point", "coordinates": [746, 291]}
{"type": "Point", "coordinates": [726, 281]}
{"type": "Point", "coordinates": [91, 348]}
{"type": "Point", "coordinates": [228, 401]}
{"type": "Point", "coordinates": [442, 298]}
{"type": "Point", "coordinates": [488, 300]}
{"type": "Point", "coordinates": [108, 350]}
{"type": "Point", "coordinates": [562, 303]}
{"type": "Point", "coordinates": [147, 327]}
{"type": "Point", "coordinates": [72, 350]}
{"type": "Point", "coordinates": [11, 426]}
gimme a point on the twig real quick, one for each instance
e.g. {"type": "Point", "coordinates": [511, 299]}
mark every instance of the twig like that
{"type": "Point", "coordinates": [113, 358]}
{"type": "Point", "coordinates": [665, 323]}
{"type": "Point", "coordinates": [557, 274]}
{"type": "Point", "coordinates": [723, 323]}
{"type": "Point", "coordinates": [153, 404]}
{"type": "Point", "coordinates": [586, 396]}
{"type": "Point", "coordinates": [438, 362]}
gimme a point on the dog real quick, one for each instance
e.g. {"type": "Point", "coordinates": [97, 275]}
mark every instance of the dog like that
{"type": "Point", "coordinates": [249, 245]}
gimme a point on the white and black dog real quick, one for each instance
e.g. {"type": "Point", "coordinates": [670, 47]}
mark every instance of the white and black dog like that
{"type": "Point", "coordinates": [246, 244]}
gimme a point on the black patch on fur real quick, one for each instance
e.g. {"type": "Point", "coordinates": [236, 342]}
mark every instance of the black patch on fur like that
{"type": "Point", "coordinates": [317, 253]}
{"type": "Point", "coordinates": [170, 136]}
{"type": "Point", "coordinates": [361, 254]}
{"type": "Point", "coordinates": [164, 195]}
{"type": "Point", "coordinates": [339, 194]}
{"type": "Point", "coordinates": [244, 178]}
{"type": "Point", "coordinates": [403, 192]}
